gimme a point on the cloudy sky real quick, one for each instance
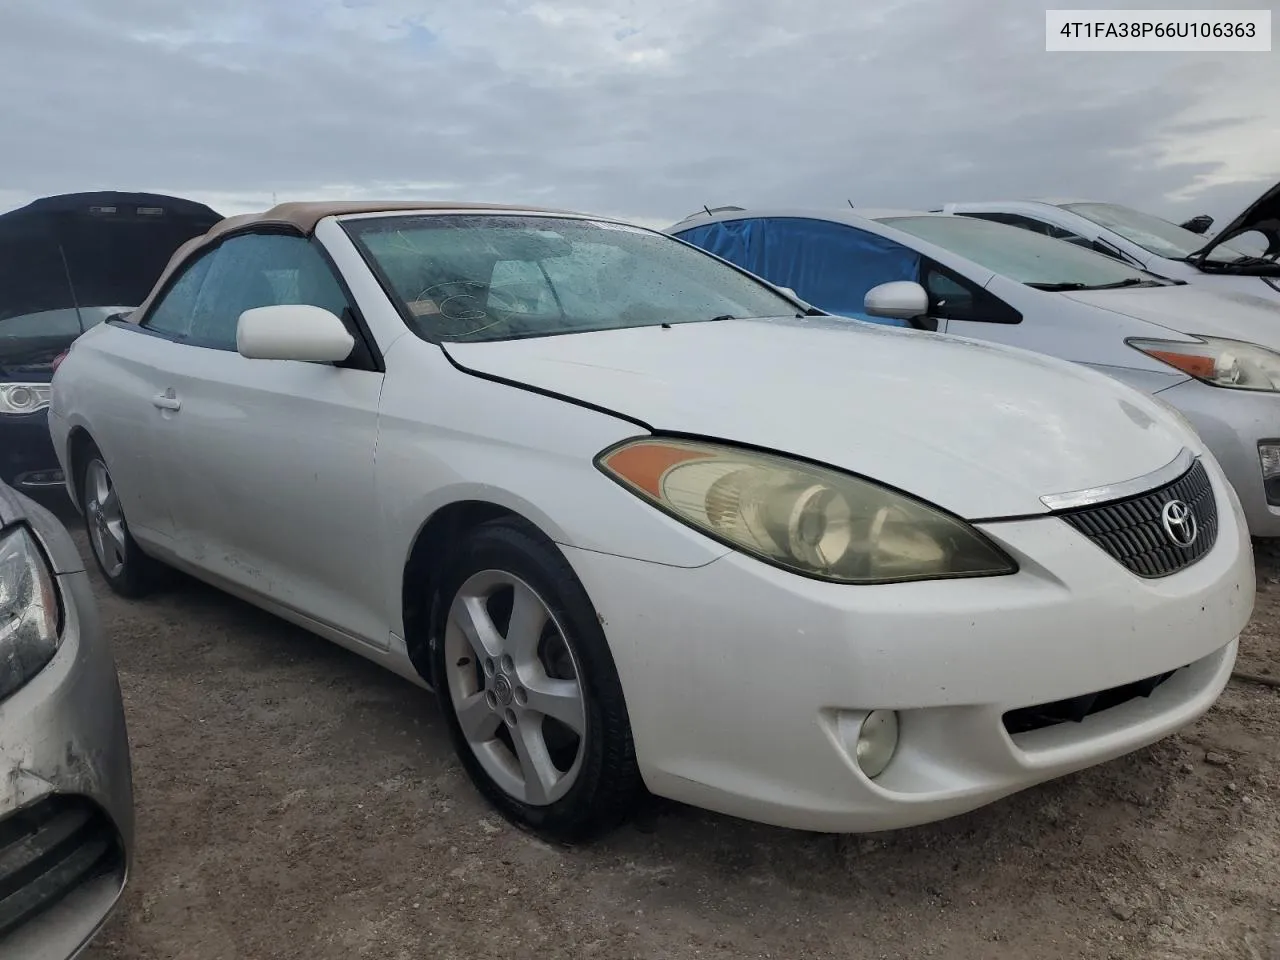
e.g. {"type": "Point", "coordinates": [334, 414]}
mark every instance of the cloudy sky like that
{"type": "Point", "coordinates": [641, 108]}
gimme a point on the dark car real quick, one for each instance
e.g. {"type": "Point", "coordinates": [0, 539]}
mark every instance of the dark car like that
{"type": "Point", "coordinates": [67, 263]}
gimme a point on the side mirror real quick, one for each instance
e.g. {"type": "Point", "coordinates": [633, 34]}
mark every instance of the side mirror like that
{"type": "Point", "coordinates": [293, 332]}
{"type": "Point", "coordinates": [899, 300]}
{"type": "Point", "coordinates": [1199, 224]}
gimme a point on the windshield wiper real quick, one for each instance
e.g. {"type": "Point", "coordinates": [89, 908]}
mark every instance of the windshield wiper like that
{"type": "Point", "coordinates": [1073, 285]}
{"type": "Point", "coordinates": [1127, 282]}
{"type": "Point", "coordinates": [724, 316]}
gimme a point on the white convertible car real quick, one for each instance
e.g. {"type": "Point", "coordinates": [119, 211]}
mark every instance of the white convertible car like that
{"type": "Point", "coordinates": [644, 521]}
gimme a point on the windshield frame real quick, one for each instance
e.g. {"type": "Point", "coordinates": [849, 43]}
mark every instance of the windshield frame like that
{"type": "Point", "coordinates": [1200, 242]}
{"type": "Point", "coordinates": [1021, 239]}
{"type": "Point", "coordinates": [348, 225]}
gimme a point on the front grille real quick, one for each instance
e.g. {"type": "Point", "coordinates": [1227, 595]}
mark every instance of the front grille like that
{"type": "Point", "coordinates": [1131, 530]}
{"type": "Point", "coordinates": [48, 851]}
{"type": "Point", "coordinates": [1075, 709]}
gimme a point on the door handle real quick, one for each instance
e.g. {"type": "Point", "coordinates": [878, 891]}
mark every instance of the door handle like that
{"type": "Point", "coordinates": [166, 401]}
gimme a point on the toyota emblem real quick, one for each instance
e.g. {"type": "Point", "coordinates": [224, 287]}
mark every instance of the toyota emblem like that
{"type": "Point", "coordinates": [1179, 523]}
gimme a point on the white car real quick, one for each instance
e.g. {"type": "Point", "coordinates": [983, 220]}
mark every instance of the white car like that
{"type": "Point", "coordinates": [829, 577]}
{"type": "Point", "coordinates": [1157, 245]}
{"type": "Point", "coordinates": [1215, 356]}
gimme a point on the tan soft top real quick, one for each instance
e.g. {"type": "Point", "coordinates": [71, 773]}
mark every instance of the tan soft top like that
{"type": "Point", "coordinates": [303, 218]}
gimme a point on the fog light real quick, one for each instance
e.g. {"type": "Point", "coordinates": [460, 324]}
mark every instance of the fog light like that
{"type": "Point", "coordinates": [877, 741]}
{"type": "Point", "coordinates": [1269, 458]}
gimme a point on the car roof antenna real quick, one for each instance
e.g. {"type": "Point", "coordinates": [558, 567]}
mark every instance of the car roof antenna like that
{"type": "Point", "coordinates": [850, 203]}
{"type": "Point", "coordinates": [708, 209]}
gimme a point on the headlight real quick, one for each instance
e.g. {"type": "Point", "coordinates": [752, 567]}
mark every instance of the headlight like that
{"type": "Point", "coordinates": [1222, 363]}
{"type": "Point", "coordinates": [28, 611]}
{"type": "Point", "coordinates": [24, 397]}
{"type": "Point", "coordinates": [807, 519]}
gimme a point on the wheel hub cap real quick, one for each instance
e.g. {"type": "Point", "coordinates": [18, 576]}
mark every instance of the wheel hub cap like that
{"type": "Point", "coordinates": [502, 689]}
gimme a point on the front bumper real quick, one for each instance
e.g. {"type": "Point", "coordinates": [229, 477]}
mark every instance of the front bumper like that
{"type": "Point", "coordinates": [1230, 423]}
{"type": "Point", "coordinates": [28, 462]}
{"type": "Point", "coordinates": [66, 795]}
{"type": "Point", "coordinates": [742, 681]}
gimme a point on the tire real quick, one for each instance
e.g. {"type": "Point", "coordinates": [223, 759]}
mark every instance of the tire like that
{"type": "Point", "coordinates": [127, 570]}
{"type": "Point", "coordinates": [515, 631]}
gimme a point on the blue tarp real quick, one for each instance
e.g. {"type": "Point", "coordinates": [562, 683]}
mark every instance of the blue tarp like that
{"type": "Point", "coordinates": [830, 265]}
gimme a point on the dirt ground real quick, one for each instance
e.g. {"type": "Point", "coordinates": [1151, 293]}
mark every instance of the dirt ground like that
{"type": "Point", "coordinates": [295, 801]}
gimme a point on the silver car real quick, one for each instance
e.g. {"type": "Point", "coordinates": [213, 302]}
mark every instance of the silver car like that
{"type": "Point", "coordinates": [1213, 356]}
{"type": "Point", "coordinates": [66, 788]}
{"type": "Point", "coordinates": [1223, 261]}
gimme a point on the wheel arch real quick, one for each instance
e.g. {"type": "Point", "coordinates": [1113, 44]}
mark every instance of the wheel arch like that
{"type": "Point", "coordinates": [425, 565]}
{"type": "Point", "coordinates": [79, 443]}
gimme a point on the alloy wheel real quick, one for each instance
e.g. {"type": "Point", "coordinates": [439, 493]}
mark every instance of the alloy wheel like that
{"type": "Point", "coordinates": [516, 687]}
{"type": "Point", "coordinates": [105, 519]}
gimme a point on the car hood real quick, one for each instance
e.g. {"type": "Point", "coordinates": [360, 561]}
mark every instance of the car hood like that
{"type": "Point", "coordinates": [1262, 215]}
{"type": "Point", "coordinates": [91, 249]}
{"type": "Point", "coordinates": [1190, 309]}
{"type": "Point", "coordinates": [981, 430]}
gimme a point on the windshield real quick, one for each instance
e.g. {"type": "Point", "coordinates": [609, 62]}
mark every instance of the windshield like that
{"type": "Point", "coordinates": [1030, 258]}
{"type": "Point", "coordinates": [1152, 234]}
{"type": "Point", "coordinates": [479, 277]}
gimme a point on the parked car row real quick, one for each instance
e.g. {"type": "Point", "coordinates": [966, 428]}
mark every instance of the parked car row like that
{"type": "Point", "coordinates": [646, 510]}
{"type": "Point", "coordinates": [644, 519]}
{"type": "Point", "coordinates": [1209, 351]}
{"type": "Point", "coordinates": [1218, 262]}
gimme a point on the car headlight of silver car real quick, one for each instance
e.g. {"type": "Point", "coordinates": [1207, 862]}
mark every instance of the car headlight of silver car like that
{"type": "Point", "coordinates": [1223, 363]}
{"type": "Point", "coordinates": [24, 397]}
{"type": "Point", "coordinates": [809, 519]}
{"type": "Point", "coordinates": [28, 611]}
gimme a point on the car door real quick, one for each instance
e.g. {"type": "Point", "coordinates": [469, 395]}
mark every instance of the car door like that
{"type": "Point", "coordinates": [132, 417]}
{"type": "Point", "coordinates": [273, 485]}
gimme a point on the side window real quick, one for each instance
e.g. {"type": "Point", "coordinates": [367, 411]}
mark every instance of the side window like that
{"type": "Point", "coordinates": [260, 270]}
{"type": "Point", "coordinates": [173, 311]}
{"type": "Point", "coordinates": [833, 265]}
{"type": "Point", "coordinates": [953, 297]}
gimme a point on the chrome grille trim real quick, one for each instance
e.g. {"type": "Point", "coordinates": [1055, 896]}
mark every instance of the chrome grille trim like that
{"type": "Point", "coordinates": [1124, 488]}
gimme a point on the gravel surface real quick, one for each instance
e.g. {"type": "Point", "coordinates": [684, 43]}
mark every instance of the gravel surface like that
{"type": "Point", "coordinates": [295, 801]}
